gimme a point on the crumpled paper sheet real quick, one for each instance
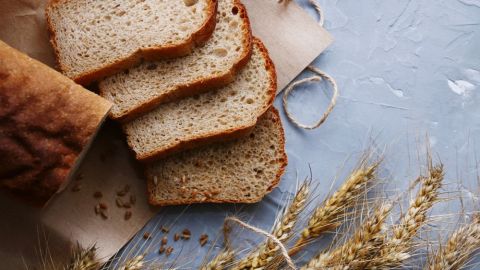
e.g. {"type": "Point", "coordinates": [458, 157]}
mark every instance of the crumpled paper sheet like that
{"type": "Point", "coordinates": [293, 38]}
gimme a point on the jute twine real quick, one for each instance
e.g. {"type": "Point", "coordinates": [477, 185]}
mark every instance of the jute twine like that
{"type": "Point", "coordinates": [283, 250]}
{"type": "Point", "coordinates": [321, 76]}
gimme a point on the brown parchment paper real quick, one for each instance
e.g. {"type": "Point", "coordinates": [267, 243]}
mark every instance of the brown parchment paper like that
{"type": "Point", "coordinates": [293, 38]}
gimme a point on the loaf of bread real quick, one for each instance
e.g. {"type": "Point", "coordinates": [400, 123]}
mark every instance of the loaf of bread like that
{"type": "Point", "coordinates": [240, 171]}
{"type": "Point", "coordinates": [211, 66]}
{"type": "Point", "coordinates": [94, 39]}
{"type": "Point", "coordinates": [225, 113]}
{"type": "Point", "coordinates": [46, 124]}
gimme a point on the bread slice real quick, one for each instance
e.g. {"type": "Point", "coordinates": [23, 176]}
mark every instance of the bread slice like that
{"type": "Point", "coordinates": [94, 39]}
{"type": "Point", "coordinates": [211, 66]}
{"type": "Point", "coordinates": [226, 113]}
{"type": "Point", "coordinates": [240, 171]}
{"type": "Point", "coordinates": [46, 124]}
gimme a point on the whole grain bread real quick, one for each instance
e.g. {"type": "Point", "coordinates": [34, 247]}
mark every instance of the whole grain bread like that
{"type": "Point", "coordinates": [214, 65]}
{"type": "Point", "coordinates": [217, 115]}
{"type": "Point", "coordinates": [94, 39]}
{"type": "Point", "coordinates": [240, 171]}
{"type": "Point", "coordinates": [46, 124]}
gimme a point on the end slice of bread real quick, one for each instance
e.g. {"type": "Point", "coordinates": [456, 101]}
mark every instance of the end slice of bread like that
{"type": "Point", "coordinates": [46, 125]}
{"type": "Point", "coordinates": [240, 171]}
{"type": "Point", "coordinates": [94, 39]}
{"type": "Point", "coordinates": [211, 66]}
{"type": "Point", "coordinates": [225, 113]}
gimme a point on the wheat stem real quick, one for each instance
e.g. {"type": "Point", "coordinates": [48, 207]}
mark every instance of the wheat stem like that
{"type": "Point", "coordinates": [398, 247]}
{"type": "Point", "coordinates": [283, 231]}
{"type": "Point", "coordinates": [459, 248]}
{"type": "Point", "coordinates": [330, 214]}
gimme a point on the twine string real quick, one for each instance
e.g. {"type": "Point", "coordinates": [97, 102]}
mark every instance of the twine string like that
{"type": "Point", "coordinates": [283, 250]}
{"type": "Point", "coordinates": [321, 76]}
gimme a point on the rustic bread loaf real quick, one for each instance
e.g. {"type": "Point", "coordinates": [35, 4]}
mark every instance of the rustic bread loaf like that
{"type": "Point", "coordinates": [240, 171]}
{"type": "Point", "coordinates": [225, 113]}
{"type": "Point", "coordinates": [94, 39]}
{"type": "Point", "coordinates": [46, 124]}
{"type": "Point", "coordinates": [213, 65]}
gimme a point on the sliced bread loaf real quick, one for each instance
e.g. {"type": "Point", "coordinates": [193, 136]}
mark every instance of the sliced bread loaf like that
{"type": "Point", "coordinates": [213, 65]}
{"type": "Point", "coordinates": [221, 114]}
{"type": "Point", "coordinates": [93, 39]}
{"type": "Point", "coordinates": [240, 171]}
{"type": "Point", "coordinates": [46, 124]}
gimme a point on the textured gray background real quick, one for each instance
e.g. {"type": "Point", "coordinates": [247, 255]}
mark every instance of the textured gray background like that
{"type": "Point", "coordinates": [406, 69]}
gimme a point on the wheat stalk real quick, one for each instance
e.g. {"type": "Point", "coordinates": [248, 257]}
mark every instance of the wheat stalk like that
{"type": "Point", "coordinates": [459, 248]}
{"type": "Point", "coordinates": [331, 212]}
{"type": "Point", "coordinates": [84, 259]}
{"type": "Point", "coordinates": [283, 231]}
{"type": "Point", "coordinates": [135, 263]}
{"type": "Point", "coordinates": [220, 261]}
{"type": "Point", "coordinates": [398, 247]}
{"type": "Point", "coordinates": [354, 253]}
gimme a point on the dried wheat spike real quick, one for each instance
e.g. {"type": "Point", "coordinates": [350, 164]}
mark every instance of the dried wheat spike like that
{"type": "Point", "coordinates": [461, 245]}
{"type": "Point", "coordinates": [283, 231]}
{"type": "Point", "coordinates": [135, 263]}
{"type": "Point", "coordinates": [360, 248]}
{"type": "Point", "coordinates": [398, 247]}
{"type": "Point", "coordinates": [84, 259]}
{"type": "Point", "coordinates": [331, 213]}
{"type": "Point", "coordinates": [220, 261]}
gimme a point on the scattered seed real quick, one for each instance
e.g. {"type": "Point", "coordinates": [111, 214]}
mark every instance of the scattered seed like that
{"type": "Point", "coordinates": [133, 199]}
{"type": "Point", "coordinates": [104, 214]}
{"type": "Point", "coordinates": [128, 215]}
{"type": "Point", "coordinates": [119, 202]}
{"type": "Point", "coordinates": [103, 206]}
{"type": "Point", "coordinates": [147, 236]}
{"type": "Point", "coordinates": [98, 194]}
{"type": "Point", "coordinates": [165, 229]}
{"type": "Point", "coordinates": [76, 188]}
{"type": "Point", "coordinates": [164, 240]}
{"type": "Point", "coordinates": [127, 205]}
{"type": "Point", "coordinates": [203, 239]}
{"type": "Point", "coordinates": [176, 237]}
{"type": "Point", "coordinates": [121, 193]}
{"type": "Point", "coordinates": [161, 250]}
{"type": "Point", "coordinates": [169, 251]}
{"type": "Point", "coordinates": [186, 234]}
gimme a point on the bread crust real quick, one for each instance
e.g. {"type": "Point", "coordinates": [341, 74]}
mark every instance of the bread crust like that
{"type": "Point", "coordinates": [283, 160]}
{"type": "Point", "coordinates": [198, 38]}
{"type": "Point", "coordinates": [227, 134]}
{"type": "Point", "coordinates": [46, 123]}
{"type": "Point", "coordinates": [198, 86]}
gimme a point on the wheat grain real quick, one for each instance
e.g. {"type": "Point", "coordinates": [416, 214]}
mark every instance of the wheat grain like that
{"type": "Point", "coordinates": [283, 231]}
{"type": "Point", "coordinates": [461, 245]}
{"type": "Point", "coordinates": [354, 253]}
{"type": "Point", "coordinates": [84, 259]}
{"type": "Point", "coordinates": [332, 211]}
{"type": "Point", "coordinates": [135, 263]}
{"type": "Point", "coordinates": [398, 247]}
{"type": "Point", "coordinates": [220, 261]}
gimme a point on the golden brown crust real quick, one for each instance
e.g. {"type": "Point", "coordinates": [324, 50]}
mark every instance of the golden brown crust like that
{"type": "Point", "coordinates": [198, 86]}
{"type": "Point", "coordinates": [153, 53]}
{"type": "Point", "coordinates": [46, 121]}
{"type": "Point", "coordinates": [283, 160]}
{"type": "Point", "coordinates": [228, 134]}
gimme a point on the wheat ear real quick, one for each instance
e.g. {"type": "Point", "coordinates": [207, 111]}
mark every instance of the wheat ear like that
{"type": "Point", "coordinates": [220, 261]}
{"type": "Point", "coordinates": [84, 259]}
{"type": "Point", "coordinates": [135, 263]}
{"type": "Point", "coordinates": [398, 247]}
{"type": "Point", "coordinates": [330, 214]}
{"type": "Point", "coordinates": [461, 245]}
{"type": "Point", "coordinates": [283, 231]}
{"type": "Point", "coordinates": [360, 248]}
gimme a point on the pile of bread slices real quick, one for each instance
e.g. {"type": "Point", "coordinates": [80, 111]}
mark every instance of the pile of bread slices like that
{"type": "Point", "coordinates": [191, 87]}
